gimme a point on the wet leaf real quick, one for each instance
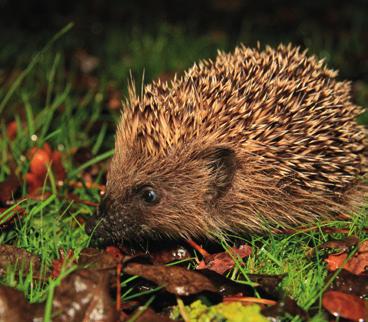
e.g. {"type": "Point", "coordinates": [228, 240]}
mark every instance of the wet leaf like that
{"type": "Point", "coordinates": [20, 258]}
{"type": "Point", "coordinates": [175, 279]}
{"type": "Point", "coordinates": [8, 189]}
{"type": "Point", "coordinates": [283, 307]}
{"type": "Point", "coordinates": [267, 284]}
{"type": "Point", "coordinates": [344, 305]}
{"type": "Point", "coordinates": [15, 308]}
{"type": "Point", "coordinates": [348, 282]}
{"type": "Point", "coordinates": [169, 255]}
{"type": "Point", "coordinates": [223, 262]}
{"type": "Point", "coordinates": [97, 259]}
{"type": "Point", "coordinates": [356, 264]}
{"type": "Point", "coordinates": [363, 247]}
{"type": "Point", "coordinates": [335, 262]}
{"type": "Point", "coordinates": [342, 245]}
{"type": "Point", "coordinates": [84, 296]}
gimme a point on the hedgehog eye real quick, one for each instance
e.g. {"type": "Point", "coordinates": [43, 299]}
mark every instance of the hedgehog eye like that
{"type": "Point", "coordinates": [150, 196]}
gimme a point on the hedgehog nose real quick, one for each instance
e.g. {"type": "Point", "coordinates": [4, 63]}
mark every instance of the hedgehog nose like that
{"type": "Point", "coordinates": [92, 221]}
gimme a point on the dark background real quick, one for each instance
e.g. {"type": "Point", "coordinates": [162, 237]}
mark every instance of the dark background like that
{"type": "Point", "coordinates": [117, 32]}
{"type": "Point", "coordinates": [332, 23]}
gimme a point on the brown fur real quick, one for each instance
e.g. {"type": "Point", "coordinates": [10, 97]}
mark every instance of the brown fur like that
{"type": "Point", "coordinates": [251, 140]}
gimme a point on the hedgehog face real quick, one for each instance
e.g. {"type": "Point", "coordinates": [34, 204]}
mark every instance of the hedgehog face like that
{"type": "Point", "coordinates": [160, 197]}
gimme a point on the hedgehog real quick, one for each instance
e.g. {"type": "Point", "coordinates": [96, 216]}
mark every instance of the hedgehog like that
{"type": "Point", "coordinates": [253, 140]}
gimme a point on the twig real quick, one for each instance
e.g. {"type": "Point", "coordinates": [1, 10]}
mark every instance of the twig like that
{"type": "Point", "coordinates": [249, 300]}
{"type": "Point", "coordinates": [198, 248]}
{"type": "Point", "coordinates": [118, 287]}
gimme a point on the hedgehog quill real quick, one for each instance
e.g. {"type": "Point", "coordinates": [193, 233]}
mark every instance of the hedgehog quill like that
{"type": "Point", "coordinates": [251, 140]}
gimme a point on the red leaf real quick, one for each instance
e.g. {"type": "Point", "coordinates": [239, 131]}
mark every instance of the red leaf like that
{"type": "Point", "coordinates": [47, 148]}
{"type": "Point", "coordinates": [356, 265]}
{"type": "Point", "coordinates": [335, 262]}
{"type": "Point", "coordinates": [345, 305]}
{"type": "Point", "coordinates": [223, 262]}
{"type": "Point", "coordinates": [39, 161]}
{"type": "Point", "coordinates": [115, 252]}
{"type": "Point", "coordinates": [57, 264]}
{"type": "Point", "coordinates": [11, 130]}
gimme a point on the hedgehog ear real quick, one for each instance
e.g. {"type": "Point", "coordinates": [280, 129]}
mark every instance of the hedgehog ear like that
{"type": "Point", "coordinates": [222, 163]}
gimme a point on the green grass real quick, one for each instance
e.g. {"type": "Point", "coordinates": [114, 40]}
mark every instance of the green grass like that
{"type": "Point", "coordinates": [46, 102]}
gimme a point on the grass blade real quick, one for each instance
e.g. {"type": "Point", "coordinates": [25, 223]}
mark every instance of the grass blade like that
{"type": "Point", "coordinates": [30, 66]}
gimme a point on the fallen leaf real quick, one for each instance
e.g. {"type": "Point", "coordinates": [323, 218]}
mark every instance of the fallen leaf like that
{"type": "Point", "coordinates": [226, 286]}
{"type": "Point", "coordinates": [363, 247]}
{"type": "Point", "coordinates": [283, 307]}
{"type": "Point", "coordinates": [266, 284]}
{"type": "Point", "coordinates": [93, 258]}
{"type": "Point", "coordinates": [344, 305]}
{"type": "Point", "coordinates": [39, 162]}
{"type": "Point", "coordinates": [84, 296]}
{"type": "Point", "coordinates": [175, 279]}
{"type": "Point", "coordinates": [223, 262]}
{"type": "Point", "coordinates": [15, 308]}
{"type": "Point", "coordinates": [348, 282]}
{"type": "Point", "coordinates": [8, 189]}
{"type": "Point", "coordinates": [335, 262]}
{"type": "Point", "coordinates": [342, 245]}
{"type": "Point", "coordinates": [356, 264]}
{"type": "Point", "coordinates": [116, 253]}
{"type": "Point", "coordinates": [169, 255]}
{"type": "Point", "coordinates": [20, 258]}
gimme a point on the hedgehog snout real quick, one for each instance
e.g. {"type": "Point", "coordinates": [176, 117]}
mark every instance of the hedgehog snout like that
{"type": "Point", "coordinates": [98, 225]}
